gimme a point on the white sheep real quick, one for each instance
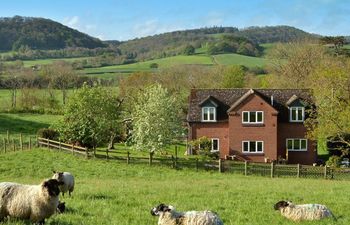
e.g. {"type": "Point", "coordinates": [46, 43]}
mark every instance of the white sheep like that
{"type": "Point", "coordinates": [169, 216]}
{"type": "Point", "coordinates": [303, 212]}
{"type": "Point", "coordinates": [68, 180]}
{"type": "Point", "coordinates": [32, 202]}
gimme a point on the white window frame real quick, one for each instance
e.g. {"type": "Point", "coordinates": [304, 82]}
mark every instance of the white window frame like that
{"type": "Point", "coordinates": [296, 108]}
{"type": "Point", "coordinates": [256, 117]}
{"type": "Point", "coordinates": [208, 120]}
{"type": "Point", "coordinates": [212, 145]}
{"type": "Point", "coordinates": [256, 147]}
{"type": "Point", "coordinates": [296, 150]}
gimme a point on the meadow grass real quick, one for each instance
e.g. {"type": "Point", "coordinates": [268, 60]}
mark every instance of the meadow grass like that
{"type": "Point", "coordinates": [30, 63]}
{"type": "Point", "coordinates": [236, 59]}
{"type": "Point", "coordinates": [109, 192]}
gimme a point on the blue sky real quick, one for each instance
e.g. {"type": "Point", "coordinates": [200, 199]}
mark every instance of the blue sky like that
{"type": "Point", "coordinates": [128, 19]}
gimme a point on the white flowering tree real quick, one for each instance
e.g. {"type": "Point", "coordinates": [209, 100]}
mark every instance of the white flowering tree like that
{"type": "Point", "coordinates": [156, 119]}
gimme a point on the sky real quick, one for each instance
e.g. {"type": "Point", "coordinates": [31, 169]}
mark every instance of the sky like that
{"type": "Point", "coordinates": [129, 19]}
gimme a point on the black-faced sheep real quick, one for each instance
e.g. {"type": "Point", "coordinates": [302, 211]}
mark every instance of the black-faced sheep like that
{"type": "Point", "coordinates": [32, 202]}
{"type": "Point", "coordinates": [68, 180]}
{"type": "Point", "coordinates": [303, 212]}
{"type": "Point", "coordinates": [61, 207]}
{"type": "Point", "coordinates": [169, 216]}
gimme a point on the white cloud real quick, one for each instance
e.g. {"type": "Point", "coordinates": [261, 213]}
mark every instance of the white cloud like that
{"type": "Point", "coordinates": [152, 27]}
{"type": "Point", "coordinates": [71, 21]}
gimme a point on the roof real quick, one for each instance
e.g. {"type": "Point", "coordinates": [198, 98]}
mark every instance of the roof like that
{"type": "Point", "coordinates": [227, 99]}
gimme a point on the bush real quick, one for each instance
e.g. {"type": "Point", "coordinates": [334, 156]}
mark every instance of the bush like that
{"type": "Point", "coordinates": [202, 146]}
{"type": "Point", "coordinates": [153, 65]}
{"type": "Point", "coordinates": [48, 133]}
{"type": "Point", "coordinates": [333, 161]}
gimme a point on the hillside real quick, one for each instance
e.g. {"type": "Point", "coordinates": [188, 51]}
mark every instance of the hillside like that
{"type": "Point", "coordinates": [40, 33]}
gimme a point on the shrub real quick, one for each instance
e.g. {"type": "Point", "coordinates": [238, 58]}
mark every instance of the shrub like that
{"type": "Point", "coordinates": [333, 161]}
{"type": "Point", "coordinates": [153, 65]}
{"type": "Point", "coordinates": [48, 133]}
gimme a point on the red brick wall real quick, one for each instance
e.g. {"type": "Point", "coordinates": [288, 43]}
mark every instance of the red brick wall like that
{"type": "Point", "coordinates": [267, 132]}
{"type": "Point", "coordinates": [211, 130]}
{"type": "Point", "coordinates": [295, 130]}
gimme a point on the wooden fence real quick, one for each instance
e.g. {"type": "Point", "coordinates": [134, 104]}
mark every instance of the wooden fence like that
{"type": "Point", "coordinates": [74, 149]}
{"type": "Point", "coordinates": [12, 143]}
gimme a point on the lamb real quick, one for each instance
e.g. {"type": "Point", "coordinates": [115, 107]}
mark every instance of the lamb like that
{"type": "Point", "coordinates": [169, 216]}
{"type": "Point", "coordinates": [61, 207]}
{"type": "Point", "coordinates": [32, 202]}
{"type": "Point", "coordinates": [303, 212]}
{"type": "Point", "coordinates": [68, 180]}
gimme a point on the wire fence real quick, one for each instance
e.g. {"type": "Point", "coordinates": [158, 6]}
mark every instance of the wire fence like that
{"type": "Point", "coordinates": [194, 163]}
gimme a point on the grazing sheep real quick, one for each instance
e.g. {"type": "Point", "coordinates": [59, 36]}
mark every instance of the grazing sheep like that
{"type": "Point", "coordinates": [303, 212]}
{"type": "Point", "coordinates": [33, 202]}
{"type": "Point", "coordinates": [169, 216]}
{"type": "Point", "coordinates": [68, 180]}
{"type": "Point", "coordinates": [61, 207]}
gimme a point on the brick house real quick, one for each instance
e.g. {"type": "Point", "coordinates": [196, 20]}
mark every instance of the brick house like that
{"type": "Point", "coordinates": [258, 125]}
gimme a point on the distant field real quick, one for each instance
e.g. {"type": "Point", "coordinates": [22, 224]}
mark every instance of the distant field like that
{"type": "Point", "coordinates": [267, 47]}
{"type": "Point", "coordinates": [29, 63]}
{"type": "Point", "coordinates": [145, 66]}
{"type": "Point", "coordinates": [235, 59]}
{"type": "Point", "coordinates": [346, 46]}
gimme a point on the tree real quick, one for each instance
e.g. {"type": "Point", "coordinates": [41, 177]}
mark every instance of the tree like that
{"type": "Point", "coordinates": [91, 117]}
{"type": "Point", "coordinates": [233, 77]}
{"type": "Point", "coordinates": [330, 84]}
{"type": "Point", "coordinates": [189, 50]}
{"type": "Point", "coordinates": [156, 119]}
{"type": "Point", "coordinates": [337, 42]}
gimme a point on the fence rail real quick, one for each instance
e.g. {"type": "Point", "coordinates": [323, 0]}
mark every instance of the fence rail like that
{"type": "Point", "coordinates": [63, 146]}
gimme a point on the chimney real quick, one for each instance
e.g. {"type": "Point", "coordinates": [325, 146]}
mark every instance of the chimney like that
{"type": "Point", "coordinates": [272, 100]}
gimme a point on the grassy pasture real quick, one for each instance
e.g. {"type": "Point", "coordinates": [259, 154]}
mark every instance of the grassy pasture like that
{"type": "Point", "coordinates": [236, 59]}
{"type": "Point", "coordinates": [109, 192]}
{"type": "Point", "coordinates": [29, 63]}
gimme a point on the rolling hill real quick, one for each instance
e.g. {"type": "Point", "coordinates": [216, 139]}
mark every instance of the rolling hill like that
{"type": "Point", "coordinates": [40, 33]}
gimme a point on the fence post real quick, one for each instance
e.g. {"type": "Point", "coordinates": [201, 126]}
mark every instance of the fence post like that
{"type": "Point", "coordinates": [8, 136]}
{"type": "Point", "coordinates": [48, 143]}
{"type": "Point", "coordinates": [175, 156]}
{"type": "Point", "coordinates": [272, 169]}
{"type": "Point", "coordinates": [128, 157]}
{"type": "Point", "coordinates": [220, 166]}
{"type": "Point", "coordinates": [86, 152]}
{"type": "Point", "coordinates": [325, 172]}
{"type": "Point", "coordinates": [298, 170]}
{"type": "Point", "coordinates": [107, 157]}
{"type": "Point", "coordinates": [59, 145]}
{"type": "Point", "coordinates": [30, 143]}
{"type": "Point", "coordinates": [72, 149]}
{"type": "Point", "coordinates": [150, 158]}
{"type": "Point", "coordinates": [13, 145]}
{"type": "Point", "coordinates": [21, 141]}
{"type": "Point", "coordinates": [4, 145]}
{"type": "Point", "coordinates": [173, 160]}
{"type": "Point", "coordinates": [197, 164]}
{"type": "Point", "coordinates": [245, 168]}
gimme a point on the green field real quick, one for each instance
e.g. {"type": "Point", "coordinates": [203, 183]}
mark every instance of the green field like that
{"type": "Point", "coordinates": [29, 63]}
{"type": "Point", "coordinates": [236, 59]}
{"type": "Point", "coordinates": [109, 192]}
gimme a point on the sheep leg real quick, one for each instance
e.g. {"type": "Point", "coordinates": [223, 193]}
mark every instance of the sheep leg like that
{"type": "Point", "coordinates": [41, 222]}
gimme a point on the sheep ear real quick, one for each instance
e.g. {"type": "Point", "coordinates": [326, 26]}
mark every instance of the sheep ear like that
{"type": "Point", "coordinates": [53, 171]}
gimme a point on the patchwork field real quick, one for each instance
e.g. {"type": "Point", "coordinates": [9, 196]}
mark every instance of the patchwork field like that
{"type": "Point", "coordinates": [116, 193]}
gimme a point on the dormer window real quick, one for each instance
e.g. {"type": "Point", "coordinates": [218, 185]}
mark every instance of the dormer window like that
{"type": "Point", "coordinates": [209, 114]}
{"type": "Point", "coordinates": [296, 114]}
{"type": "Point", "coordinates": [253, 117]}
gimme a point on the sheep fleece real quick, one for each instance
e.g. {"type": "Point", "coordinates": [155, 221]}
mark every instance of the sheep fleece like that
{"type": "Point", "coordinates": [306, 212]}
{"type": "Point", "coordinates": [26, 202]}
{"type": "Point", "coordinates": [68, 180]}
{"type": "Point", "coordinates": [189, 218]}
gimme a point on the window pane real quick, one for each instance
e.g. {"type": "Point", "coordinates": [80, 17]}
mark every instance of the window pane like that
{"type": "Point", "coordinates": [296, 144]}
{"type": "Point", "coordinates": [211, 113]}
{"type": "Point", "coordinates": [215, 144]}
{"type": "Point", "coordinates": [294, 114]}
{"type": "Point", "coordinates": [246, 117]}
{"type": "Point", "coordinates": [205, 114]}
{"type": "Point", "coordinates": [300, 114]}
{"type": "Point", "coordinates": [259, 115]}
{"type": "Point", "coordinates": [252, 147]}
{"type": "Point", "coordinates": [260, 146]}
{"type": "Point", "coordinates": [245, 146]}
{"type": "Point", "coordinates": [252, 117]}
{"type": "Point", "coordinates": [290, 144]}
{"type": "Point", "coordinates": [303, 144]}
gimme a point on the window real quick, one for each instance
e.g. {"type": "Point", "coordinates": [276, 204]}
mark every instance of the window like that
{"type": "Point", "coordinates": [214, 144]}
{"type": "Point", "coordinates": [296, 114]}
{"type": "Point", "coordinates": [297, 144]}
{"type": "Point", "coordinates": [253, 117]}
{"type": "Point", "coordinates": [253, 146]}
{"type": "Point", "coordinates": [208, 114]}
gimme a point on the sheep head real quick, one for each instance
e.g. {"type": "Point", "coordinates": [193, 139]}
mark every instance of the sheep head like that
{"type": "Point", "coordinates": [52, 186]}
{"type": "Point", "coordinates": [281, 204]}
{"type": "Point", "coordinates": [161, 208]}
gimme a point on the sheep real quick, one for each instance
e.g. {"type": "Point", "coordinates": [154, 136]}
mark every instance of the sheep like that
{"type": "Point", "coordinates": [169, 216]}
{"type": "Point", "coordinates": [68, 180]}
{"type": "Point", "coordinates": [32, 202]}
{"type": "Point", "coordinates": [61, 207]}
{"type": "Point", "coordinates": [303, 212]}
